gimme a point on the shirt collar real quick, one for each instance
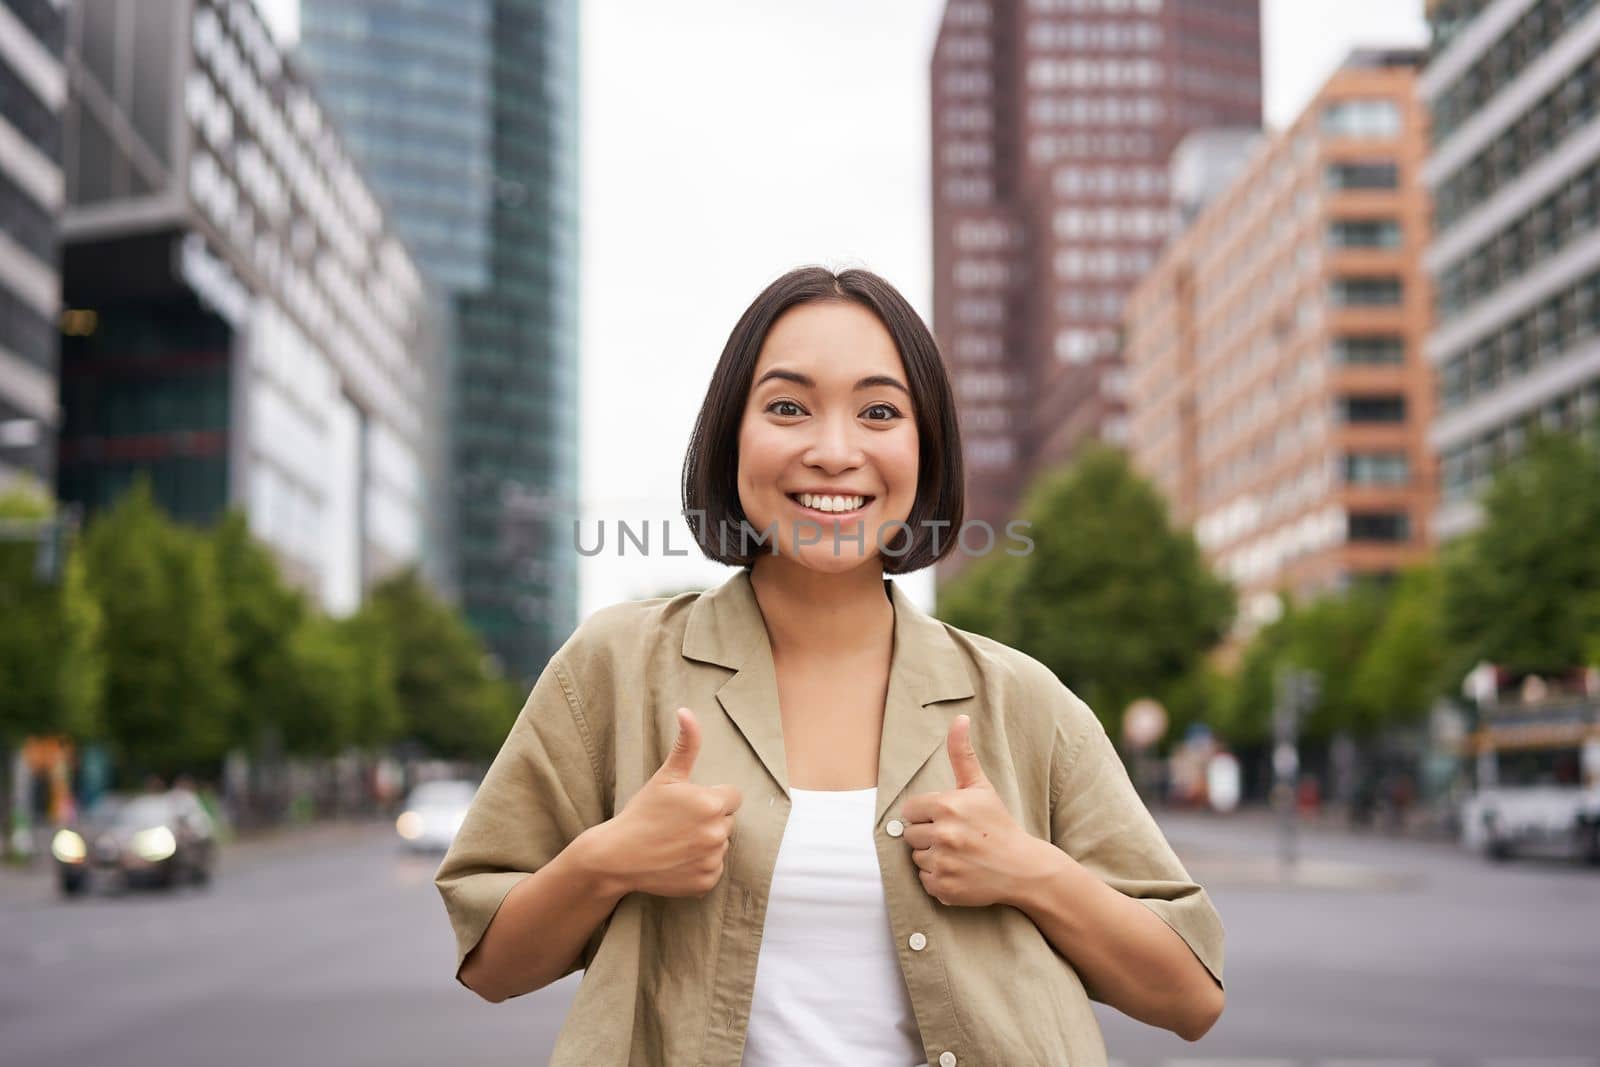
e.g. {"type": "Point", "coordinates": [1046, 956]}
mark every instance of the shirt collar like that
{"type": "Point", "coordinates": [725, 627]}
{"type": "Point", "coordinates": [927, 667]}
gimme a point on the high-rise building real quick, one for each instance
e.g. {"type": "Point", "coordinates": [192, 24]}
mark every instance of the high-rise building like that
{"type": "Point", "coordinates": [464, 113]}
{"type": "Point", "coordinates": [241, 327]}
{"type": "Point", "coordinates": [1279, 394]}
{"type": "Point", "coordinates": [33, 90]}
{"type": "Point", "coordinates": [1053, 124]}
{"type": "Point", "coordinates": [1514, 88]}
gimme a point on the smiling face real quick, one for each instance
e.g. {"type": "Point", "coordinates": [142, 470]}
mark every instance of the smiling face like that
{"type": "Point", "coordinates": [829, 416]}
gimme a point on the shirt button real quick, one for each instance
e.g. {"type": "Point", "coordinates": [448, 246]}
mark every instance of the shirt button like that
{"type": "Point", "coordinates": [947, 1059]}
{"type": "Point", "coordinates": [896, 827]}
{"type": "Point", "coordinates": [918, 941]}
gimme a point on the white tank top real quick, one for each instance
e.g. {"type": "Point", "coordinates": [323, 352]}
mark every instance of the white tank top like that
{"type": "Point", "coordinates": [828, 983]}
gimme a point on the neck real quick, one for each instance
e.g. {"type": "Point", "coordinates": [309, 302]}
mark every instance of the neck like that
{"type": "Point", "coordinates": [808, 612]}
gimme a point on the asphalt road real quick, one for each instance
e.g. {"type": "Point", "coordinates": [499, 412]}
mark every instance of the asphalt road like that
{"type": "Point", "coordinates": [332, 948]}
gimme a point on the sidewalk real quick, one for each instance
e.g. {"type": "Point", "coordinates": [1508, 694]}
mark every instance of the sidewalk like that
{"type": "Point", "coordinates": [1421, 826]}
{"type": "Point", "coordinates": [1242, 849]}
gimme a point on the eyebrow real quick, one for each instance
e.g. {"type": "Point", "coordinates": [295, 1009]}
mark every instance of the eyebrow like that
{"type": "Point", "coordinates": [806, 380]}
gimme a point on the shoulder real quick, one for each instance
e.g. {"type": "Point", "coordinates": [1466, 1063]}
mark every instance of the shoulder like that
{"type": "Point", "coordinates": [630, 631]}
{"type": "Point", "coordinates": [999, 668]}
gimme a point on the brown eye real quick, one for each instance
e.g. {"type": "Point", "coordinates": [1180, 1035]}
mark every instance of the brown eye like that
{"type": "Point", "coordinates": [890, 411]}
{"type": "Point", "coordinates": [785, 404]}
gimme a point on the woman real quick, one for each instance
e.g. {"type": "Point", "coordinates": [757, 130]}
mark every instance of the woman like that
{"type": "Point", "coordinates": [794, 819]}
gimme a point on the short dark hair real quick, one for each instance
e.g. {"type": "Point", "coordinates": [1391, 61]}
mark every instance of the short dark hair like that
{"type": "Point", "coordinates": [710, 470]}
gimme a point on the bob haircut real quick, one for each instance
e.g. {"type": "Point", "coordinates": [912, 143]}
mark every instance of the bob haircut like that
{"type": "Point", "coordinates": [710, 470]}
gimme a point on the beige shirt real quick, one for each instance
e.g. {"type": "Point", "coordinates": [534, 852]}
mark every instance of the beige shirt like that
{"type": "Point", "coordinates": [668, 980]}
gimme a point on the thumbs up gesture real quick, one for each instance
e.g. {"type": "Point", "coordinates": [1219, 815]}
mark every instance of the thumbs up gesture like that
{"type": "Point", "coordinates": [967, 848]}
{"type": "Point", "coordinates": [672, 835]}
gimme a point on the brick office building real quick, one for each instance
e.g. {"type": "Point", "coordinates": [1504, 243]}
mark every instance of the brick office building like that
{"type": "Point", "coordinates": [1279, 391]}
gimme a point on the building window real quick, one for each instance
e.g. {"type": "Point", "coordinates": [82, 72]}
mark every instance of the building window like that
{"type": "Point", "coordinates": [1527, 39]}
{"type": "Point", "coordinates": [1367, 291]}
{"type": "Point", "coordinates": [1364, 233]}
{"type": "Point", "coordinates": [1377, 468]}
{"type": "Point", "coordinates": [1370, 349]}
{"type": "Point", "coordinates": [1383, 408]}
{"type": "Point", "coordinates": [1543, 230]}
{"type": "Point", "coordinates": [1361, 118]}
{"type": "Point", "coordinates": [1563, 110]}
{"type": "Point", "coordinates": [1563, 321]}
{"type": "Point", "coordinates": [1379, 526]}
{"type": "Point", "coordinates": [1363, 174]}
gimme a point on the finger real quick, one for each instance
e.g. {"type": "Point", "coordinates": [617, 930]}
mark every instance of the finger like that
{"type": "Point", "coordinates": [919, 808]}
{"type": "Point", "coordinates": [918, 835]}
{"type": "Point", "coordinates": [679, 763]}
{"type": "Point", "coordinates": [731, 798]}
{"type": "Point", "coordinates": [963, 758]}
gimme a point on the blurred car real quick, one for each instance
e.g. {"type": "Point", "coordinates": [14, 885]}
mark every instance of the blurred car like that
{"type": "Point", "coordinates": [433, 813]}
{"type": "Point", "coordinates": [158, 839]}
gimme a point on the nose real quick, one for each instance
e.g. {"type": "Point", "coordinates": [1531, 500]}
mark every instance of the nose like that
{"type": "Point", "coordinates": [834, 448]}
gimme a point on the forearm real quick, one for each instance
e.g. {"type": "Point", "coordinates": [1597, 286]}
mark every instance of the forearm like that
{"type": "Point", "coordinates": [1122, 950]}
{"type": "Point", "coordinates": [543, 924]}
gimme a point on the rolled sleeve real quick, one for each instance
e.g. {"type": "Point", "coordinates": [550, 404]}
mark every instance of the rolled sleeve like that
{"type": "Point", "coordinates": [1097, 818]}
{"type": "Point", "coordinates": [541, 791]}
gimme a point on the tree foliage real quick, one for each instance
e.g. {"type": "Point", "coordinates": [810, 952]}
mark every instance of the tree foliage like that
{"type": "Point", "coordinates": [166, 641]}
{"type": "Point", "coordinates": [1112, 599]}
{"type": "Point", "coordinates": [264, 617]}
{"type": "Point", "coordinates": [1408, 664]}
{"type": "Point", "coordinates": [52, 668]}
{"type": "Point", "coordinates": [449, 701]}
{"type": "Point", "coordinates": [375, 717]}
{"type": "Point", "coordinates": [1523, 590]}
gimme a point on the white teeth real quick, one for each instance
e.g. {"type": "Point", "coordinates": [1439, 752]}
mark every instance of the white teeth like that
{"type": "Point", "coordinates": [832, 503]}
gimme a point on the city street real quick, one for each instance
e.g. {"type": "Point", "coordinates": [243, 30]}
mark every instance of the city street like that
{"type": "Point", "coordinates": [331, 947]}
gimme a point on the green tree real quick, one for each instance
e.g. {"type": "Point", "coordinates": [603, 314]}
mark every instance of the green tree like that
{"type": "Point", "coordinates": [1331, 635]}
{"type": "Point", "coordinates": [1378, 651]}
{"type": "Point", "coordinates": [52, 668]}
{"type": "Point", "coordinates": [1407, 665]}
{"type": "Point", "coordinates": [450, 702]}
{"type": "Point", "coordinates": [376, 718]}
{"type": "Point", "coordinates": [166, 640]}
{"type": "Point", "coordinates": [1523, 589]}
{"type": "Point", "coordinates": [975, 599]}
{"type": "Point", "coordinates": [263, 617]}
{"type": "Point", "coordinates": [324, 684]}
{"type": "Point", "coordinates": [1374, 650]}
{"type": "Point", "coordinates": [1112, 598]}
{"type": "Point", "coordinates": [1245, 716]}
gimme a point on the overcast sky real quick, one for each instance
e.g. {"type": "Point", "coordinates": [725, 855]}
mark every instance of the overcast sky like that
{"type": "Point", "coordinates": [726, 141]}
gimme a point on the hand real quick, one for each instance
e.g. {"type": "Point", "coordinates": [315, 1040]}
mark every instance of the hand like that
{"type": "Point", "coordinates": [965, 844]}
{"type": "Point", "coordinates": [671, 836]}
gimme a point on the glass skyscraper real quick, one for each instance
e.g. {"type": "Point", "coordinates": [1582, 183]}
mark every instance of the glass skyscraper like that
{"type": "Point", "coordinates": [464, 116]}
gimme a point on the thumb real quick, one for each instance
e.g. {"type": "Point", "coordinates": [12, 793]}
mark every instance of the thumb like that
{"type": "Point", "coordinates": [963, 759]}
{"type": "Point", "coordinates": [680, 761]}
